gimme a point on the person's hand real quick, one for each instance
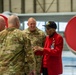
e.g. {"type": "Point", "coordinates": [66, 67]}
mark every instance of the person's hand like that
{"type": "Point", "coordinates": [37, 48]}
{"type": "Point", "coordinates": [32, 73]}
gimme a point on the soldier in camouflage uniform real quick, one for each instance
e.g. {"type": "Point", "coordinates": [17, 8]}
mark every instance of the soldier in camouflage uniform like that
{"type": "Point", "coordinates": [14, 46]}
{"type": "Point", "coordinates": [36, 37]}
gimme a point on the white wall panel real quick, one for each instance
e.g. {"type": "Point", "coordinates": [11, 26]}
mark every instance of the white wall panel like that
{"type": "Point", "coordinates": [39, 9]}
{"type": "Point", "coordinates": [39, 1]}
{"type": "Point", "coordinates": [16, 6]}
{"type": "Point", "coordinates": [64, 5]}
{"type": "Point", "coordinates": [74, 5]}
{"type": "Point", "coordinates": [6, 5]}
{"type": "Point", "coordinates": [29, 6]}
{"type": "Point", "coordinates": [53, 5]}
{"type": "Point", "coordinates": [39, 6]}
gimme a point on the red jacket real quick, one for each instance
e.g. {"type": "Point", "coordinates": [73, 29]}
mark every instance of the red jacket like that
{"type": "Point", "coordinates": [52, 54]}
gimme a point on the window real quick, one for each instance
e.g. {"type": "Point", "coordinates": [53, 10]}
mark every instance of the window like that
{"type": "Point", "coordinates": [21, 26]}
{"type": "Point", "coordinates": [62, 26]}
{"type": "Point", "coordinates": [40, 25]}
{"type": "Point", "coordinates": [25, 25]}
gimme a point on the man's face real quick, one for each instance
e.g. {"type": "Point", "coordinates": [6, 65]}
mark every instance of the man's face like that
{"type": "Point", "coordinates": [50, 31]}
{"type": "Point", "coordinates": [32, 25]}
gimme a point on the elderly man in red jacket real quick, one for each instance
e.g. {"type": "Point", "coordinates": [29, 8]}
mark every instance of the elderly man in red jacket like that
{"type": "Point", "coordinates": [52, 51]}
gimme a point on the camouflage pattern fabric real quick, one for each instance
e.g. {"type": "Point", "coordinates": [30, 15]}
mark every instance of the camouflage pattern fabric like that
{"type": "Point", "coordinates": [37, 38]}
{"type": "Point", "coordinates": [14, 48]}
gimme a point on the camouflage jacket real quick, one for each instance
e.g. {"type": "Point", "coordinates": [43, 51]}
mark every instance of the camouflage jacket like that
{"type": "Point", "coordinates": [37, 39]}
{"type": "Point", "coordinates": [13, 48]}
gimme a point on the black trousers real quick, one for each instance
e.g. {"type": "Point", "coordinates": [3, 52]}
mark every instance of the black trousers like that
{"type": "Point", "coordinates": [44, 71]}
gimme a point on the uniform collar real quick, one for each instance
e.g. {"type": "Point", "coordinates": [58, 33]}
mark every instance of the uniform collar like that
{"type": "Point", "coordinates": [11, 29]}
{"type": "Point", "coordinates": [35, 32]}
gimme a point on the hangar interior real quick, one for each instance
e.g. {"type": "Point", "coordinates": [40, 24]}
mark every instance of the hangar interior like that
{"type": "Point", "coordinates": [61, 20]}
{"type": "Point", "coordinates": [60, 11]}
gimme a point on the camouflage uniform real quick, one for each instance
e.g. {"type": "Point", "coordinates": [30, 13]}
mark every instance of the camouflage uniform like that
{"type": "Point", "coordinates": [13, 48]}
{"type": "Point", "coordinates": [37, 39]}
